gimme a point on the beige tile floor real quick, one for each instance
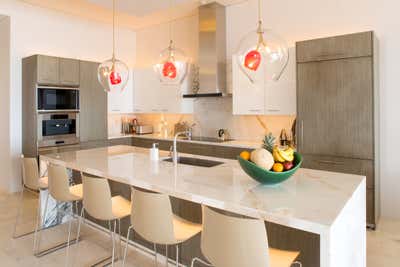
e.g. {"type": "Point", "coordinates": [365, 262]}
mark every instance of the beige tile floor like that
{"type": "Point", "coordinates": [383, 245]}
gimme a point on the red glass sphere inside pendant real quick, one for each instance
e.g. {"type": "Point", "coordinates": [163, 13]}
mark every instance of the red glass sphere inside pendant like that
{"type": "Point", "coordinates": [115, 78]}
{"type": "Point", "coordinates": [169, 70]}
{"type": "Point", "coordinates": [252, 60]}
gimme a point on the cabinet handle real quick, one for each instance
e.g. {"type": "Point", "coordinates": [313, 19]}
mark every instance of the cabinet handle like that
{"type": "Point", "coordinates": [254, 110]}
{"type": "Point", "coordinates": [115, 110]}
{"type": "Point", "coordinates": [274, 110]}
{"type": "Point", "coordinates": [164, 110]}
{"type": "Point", "coordinates": [330, 162]}
{"type": "Point", "coordinates": [302, 133]}
{"type": "Point", "coordinates": [155, 110]}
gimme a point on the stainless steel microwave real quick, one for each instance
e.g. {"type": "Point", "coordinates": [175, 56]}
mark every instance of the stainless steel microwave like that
{"type": "Point", "coordinates": [53, 99]}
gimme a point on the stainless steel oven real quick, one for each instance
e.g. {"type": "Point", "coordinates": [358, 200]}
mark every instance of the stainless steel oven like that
{"type": "Point", "coordinates": [51, 99]}
{"type": "Point", "coordinates": [56, 129]}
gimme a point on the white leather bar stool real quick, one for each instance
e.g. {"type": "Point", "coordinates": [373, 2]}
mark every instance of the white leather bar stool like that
{"type": "Point", "coordinates": [61, 191]}
{"type": "Point", "coordinates": [228, 241]}
{"type": "Point", "coordinates": [99, 204]}
{"type": "Point", "coordinates": [31, 182]}
{"type": "Point", "coordinates": [152, 218]}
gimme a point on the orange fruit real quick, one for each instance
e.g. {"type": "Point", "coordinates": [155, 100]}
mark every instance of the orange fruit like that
{"type": "Point", "coordinates": [245, 155]}
{"type": "Point", "coordinates": [277, 167]}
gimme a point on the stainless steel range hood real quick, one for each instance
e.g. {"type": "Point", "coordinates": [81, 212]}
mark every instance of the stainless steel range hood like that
{"type": "Point", "coordinates": [212, 52]}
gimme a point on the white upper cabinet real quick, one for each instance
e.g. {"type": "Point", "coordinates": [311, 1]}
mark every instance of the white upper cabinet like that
{"type": "Point", "coordinates": [122, 102]}
{"type": "Point", "coordinates": [151, 96]}
{"type": "Point", "coordinates": [265, 97]}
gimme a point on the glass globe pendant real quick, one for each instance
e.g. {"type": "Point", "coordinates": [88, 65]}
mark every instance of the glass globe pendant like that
{"type": "Point", "coordinates": [262, 54]}
{"type": "Point", "coordinates": [113, 74]}
{"type": "Point", "coordinates": [172, 65]}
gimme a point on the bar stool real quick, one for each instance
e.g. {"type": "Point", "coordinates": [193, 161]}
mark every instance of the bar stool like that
{"type": "Point", "coordinates": [61, 191]}
{"type": "Point", "coordinates": [228, 241]}
{"type": "Point", "coordinates": [31, 182]}
{"type": "Point", "coordinates": [152, 218]}
{"type": "Point", "coordinates": [99, 204]}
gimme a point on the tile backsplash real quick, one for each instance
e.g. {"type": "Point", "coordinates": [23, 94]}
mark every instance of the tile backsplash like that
{"type": "Point", "coordinates": [210, 115]}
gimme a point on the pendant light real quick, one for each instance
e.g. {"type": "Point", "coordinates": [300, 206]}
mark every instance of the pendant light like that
{"type": "Point", "coordinates": [172, 63]}
{"type": "Point", "coordinates": [262, 54]}
{"type": "Point", "coordinates": [113, 74]}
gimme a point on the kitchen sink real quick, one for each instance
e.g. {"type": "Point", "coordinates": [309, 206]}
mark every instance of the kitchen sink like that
{"type": "Point", "coordinates": [196, 162]}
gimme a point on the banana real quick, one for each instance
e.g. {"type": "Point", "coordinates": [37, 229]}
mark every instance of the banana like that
{"type": "Point", "coordinates": [285, 155]}
{"type": "Point", "coordinates": [289, 151]}
{"type": "Point", "coordinates": [277, 156]}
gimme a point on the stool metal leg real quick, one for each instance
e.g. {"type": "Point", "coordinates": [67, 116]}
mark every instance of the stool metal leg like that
{"type": "Point", "coordinates": [38, 235]}
{"type": "Point", "coordinates": [113, 243]}
{"type": "Point", "coordinates": [177, 255]}
{"type": "Point", "coordinates": [20, 206]}
{"type": "Point", "coordinates": [155, 255]}
{"type": "Point", "coordinates": [166, 255]}
{"type": "Point", "coordinates": [298, 263]}
{"type": "Point", "coordinates": [81, 218]}
{"type": "Point", "coordinates": [126, 247]}
{"type": "Point", "coordinates": [201, 261]}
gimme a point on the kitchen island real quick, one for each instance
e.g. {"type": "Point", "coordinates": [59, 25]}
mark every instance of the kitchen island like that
{"type": "Point", "coordinates": [330, 205]}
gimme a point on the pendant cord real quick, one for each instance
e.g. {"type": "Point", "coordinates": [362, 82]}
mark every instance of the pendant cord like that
{"type": "Point", "coordinates": [170, 20]}
{"type": "Point", "coordinates": [259, 11]}
{"type": "Point", "coordinates": [113, 30]}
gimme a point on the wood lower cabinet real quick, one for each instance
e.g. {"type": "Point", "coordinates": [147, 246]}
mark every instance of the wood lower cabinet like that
{"type": "Point", "coordinates": [337, 108]}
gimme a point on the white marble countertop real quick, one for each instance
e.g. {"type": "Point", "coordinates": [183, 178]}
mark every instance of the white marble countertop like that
{"type": "Point", "coordinates": [157, 136]}
{"type": "Point", "coordinates": [311, 200]}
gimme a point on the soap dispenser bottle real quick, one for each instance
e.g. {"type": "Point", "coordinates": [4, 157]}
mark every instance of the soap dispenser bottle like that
{"type": "Point", "coordinates": [154, 152]}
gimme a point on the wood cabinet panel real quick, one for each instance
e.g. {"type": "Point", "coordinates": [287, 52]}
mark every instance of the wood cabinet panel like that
{"type": "Point", "coordinates": [93, 115]}
{"type": "Point", "coordinates": [47, 70]}
{"type": "Point", "coordinates": [343, 165]}
{"type": "Point", "coordinates": [345, 46]}
{"type": "Point", "coordinates": [69, 72]}
{"type": "Point", "coordinates": [335, 108]}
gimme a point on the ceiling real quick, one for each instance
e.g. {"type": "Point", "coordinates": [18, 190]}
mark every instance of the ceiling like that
{"type": "Point", "coordinates": [134, 14]}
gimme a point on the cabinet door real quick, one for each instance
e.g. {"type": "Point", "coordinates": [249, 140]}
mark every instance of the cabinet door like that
{"type": "Point", "coordinates": [335, 109]}
{"type": "Point", "coordinates": [122, 102]}
{"type": "Point", "coordinates": [336, 47]}
{"type": "Point", "coordinates": [280, 96]}
{"type": "Point", "coordinates": [69, 72]}
{"type": "Point", "coordinates": [93, 115]}
{"type": "Point", "coordinates": [47, 70]}
{"type": "Point", "coordinates": [248, 97]}
{"type": "Point", "coordinates": [146, 87]}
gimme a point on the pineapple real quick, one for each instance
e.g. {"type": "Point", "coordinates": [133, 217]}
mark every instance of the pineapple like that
{"type": "Point", "coordinates": [269, 142]}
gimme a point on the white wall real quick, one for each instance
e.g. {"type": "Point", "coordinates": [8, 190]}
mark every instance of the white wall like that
{"type": "Point", "coordinates": [5, 160]}
{"type": "Point", "coordinates": [39, 31]}
{"type": "Point", "coordinates": [300, 20]}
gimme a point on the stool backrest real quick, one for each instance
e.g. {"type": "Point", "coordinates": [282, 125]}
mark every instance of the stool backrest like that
{"type": "Point", "coordinates": [152, 217]}
{"type": "Point", "coordinates": [97, 197]}
{"type": "Point", "coordinates": [30, 173]}
{"type": "Point", "coordinates": [58, 182]}
{"type": "Point", "coordinates": [228, 241]}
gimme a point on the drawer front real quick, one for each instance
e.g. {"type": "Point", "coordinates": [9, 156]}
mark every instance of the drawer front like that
{"type": "Point", "coordinates": [343, 165]}
{"type": "Point", "coordinates": [344, 46]}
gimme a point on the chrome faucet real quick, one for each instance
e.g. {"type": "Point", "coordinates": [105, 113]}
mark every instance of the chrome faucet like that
{"type": "Point", "coordinates": [175, 152]}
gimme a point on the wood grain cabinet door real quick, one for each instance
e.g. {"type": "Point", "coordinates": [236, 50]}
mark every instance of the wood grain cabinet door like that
{"type": "Point", "coordinates": [93, 104]}
{"type": "Point", "coordinates": [69, 72]}
{"type": "Point", "coordinates": [335, 108]}
{"type": "Point", "coordinates": [47, 70]}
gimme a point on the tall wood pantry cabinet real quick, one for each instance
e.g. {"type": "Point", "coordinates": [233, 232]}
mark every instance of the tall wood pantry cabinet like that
{"type": "Point", "coordinates": [337, 108]}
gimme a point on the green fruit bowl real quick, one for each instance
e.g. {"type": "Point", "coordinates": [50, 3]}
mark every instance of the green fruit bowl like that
{"type": "Point", "coordinates": [269, 177]}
